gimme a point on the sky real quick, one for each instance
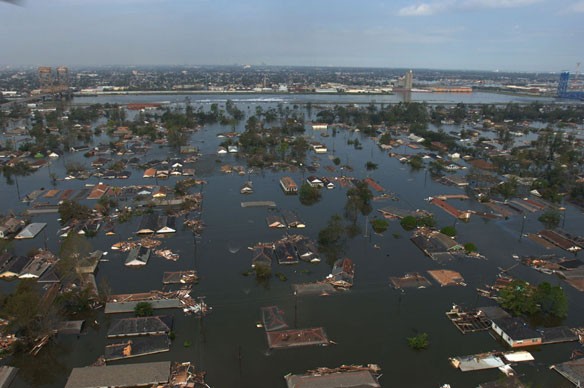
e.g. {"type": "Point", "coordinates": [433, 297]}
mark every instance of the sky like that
{"type": "Point", "coordinates": [505, 35]}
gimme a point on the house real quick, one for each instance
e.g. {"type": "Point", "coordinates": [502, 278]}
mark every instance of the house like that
{"type": "Point", "coordinates": [275, 221]}
{"type": "Point", "coordinates": [247, 188]}
{"type": "Point", "coordinates": [155, 223]}
{"type": "Point", "coordinates": [34, 269]}
{"type": "Point", "coordinates": [288, 185]}
{"type": "Point", "coordinates": [98, 191]}
{"type": "Point", "coordinates": [166, 224]}
{"type": "Point", "coordinates": [188, 149]}
{"type": "Point", "coordinates": [13, 266]}
{"type": "Point", "coordinates": [31, 231]}
{"type": "Point", "coordinates": [319, 148]}
{"type": "Point", "coordinates": [149, 224]}
{"type": "Point", "coordinates": [319, 126]}
{"type": "Point", "coordinates": [292, 219]}
{"type": "Point", "coordinates": [160, 192]}
{"type": "Point", "coordinates": [100, 162]}
{"type": "Point", "coordinates": [122, 132]}
{"type": "Point", "coordinates": [262, 256]}
{"type": "Point", "coordinates": [306, 251]}
{"type": "Point", "coordinates": [285, 253]}
{"type": "Point", "coordinates": [138, 256]}
{"type": "Point", "coordinates": [149, 173]}
{"type": "Point", "coordinates": [232, 149]}
{"type": "Point", "coordinates": [327, 183]}
{"type": "Point", "coordinates": [342, 273]}
{"type": "Point", "coordinates": [162, 174]}
{"type": "Point", "coordinates": [516, 333]}
{"type": "Point", "coordinates": [221, 151]}
{"type": "Point", "coordinates": [315, 182]}
{"type": "Point", "coordinates": [10, 226]}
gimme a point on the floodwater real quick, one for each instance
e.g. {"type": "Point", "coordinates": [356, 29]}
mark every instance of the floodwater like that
{"type": "Point", "coordinates": [369, 323]}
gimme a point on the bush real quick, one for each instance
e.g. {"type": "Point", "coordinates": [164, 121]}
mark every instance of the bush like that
{"type": "Point", "coordinates": [470, 247]}
{"type": "Point", "coordinates": [419, 342]}
{"type": "Point", "coordinates": [143, 309]}
{"type": "Point", "coordinates": [308, 195]}
{"type": "Point", "coordinates": [409, 223]}
{"type": "Point", "coordinates": [550, 219]}
{"type": "Point", "coordinates": [337, 161]}
{"type": "Point", "coordinates": [450, 231]}
{"type": "Point", "coordinates": [379, 226]}
{"type": "Point", "coordinates": [371, 166]}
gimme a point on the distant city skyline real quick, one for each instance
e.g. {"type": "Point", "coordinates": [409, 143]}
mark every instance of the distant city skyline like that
{"type": "Point", "coordinates": [505, 35]}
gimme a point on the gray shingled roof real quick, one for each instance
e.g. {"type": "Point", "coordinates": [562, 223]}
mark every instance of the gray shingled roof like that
{"type": "Point", "coordinates": [149, 373]}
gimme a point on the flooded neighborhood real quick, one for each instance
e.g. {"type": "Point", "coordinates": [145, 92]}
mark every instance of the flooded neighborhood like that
{"type": "Point", "coordinates": [250, 240]}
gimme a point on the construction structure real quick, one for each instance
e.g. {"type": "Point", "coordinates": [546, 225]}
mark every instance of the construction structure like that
{"type": "Point", "coordinates": [564, 88]}
{"type": "Point", "coordinates": [53, 82]}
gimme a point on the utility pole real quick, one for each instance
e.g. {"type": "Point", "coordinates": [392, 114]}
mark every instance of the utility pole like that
{"type": "Point", "coordinates": [522, 227]}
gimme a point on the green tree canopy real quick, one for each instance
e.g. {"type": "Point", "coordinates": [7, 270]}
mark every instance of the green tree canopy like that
{"type": "Point", "coordinates": [309, 195]}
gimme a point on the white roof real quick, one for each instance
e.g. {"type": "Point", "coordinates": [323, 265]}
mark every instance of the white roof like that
{"type": "Point", "coordinates": [31, 230]}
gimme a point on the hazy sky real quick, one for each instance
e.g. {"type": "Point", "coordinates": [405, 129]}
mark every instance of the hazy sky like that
{"type": "Point", "coordinates": [530, 35]}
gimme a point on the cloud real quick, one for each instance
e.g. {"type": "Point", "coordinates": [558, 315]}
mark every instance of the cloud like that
{"type": "Point", "coordinates": [425, 9]}
{"type": "Point", "coordinates": [576, 7]}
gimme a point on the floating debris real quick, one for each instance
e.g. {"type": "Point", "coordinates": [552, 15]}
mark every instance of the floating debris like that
{"type": "Point", "coordinates": [167, 254]}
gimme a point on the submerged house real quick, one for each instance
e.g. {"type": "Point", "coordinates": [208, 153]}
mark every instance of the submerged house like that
{"type": "Point", "coordinates": [516, 333]}
{"type": "Point", "coordinates": [342, 273]}
{"type": "Point", "coordinates": [288, 185]}
{"type": "Point", "coordinates": [306, 251]}
{"type": "Point", "coordinates": [315, 182]}
{"type": "Point", "coordinates": [10, 226]}
{"type": "Point", "coordinates": [138, 256]}
{"type": "Point", "coordinates": [155, 223]}
{"type": "Point", "coordinates": [292, 219]}
{"type": "Point", "coordinates": [286, 253]}
{"type": "Point", "coordinates": [247, 188]}
{"type": "Point", "coordinates": [275, 221]}
{"type": "Point", "coordinates": [262, 256]}
{"type": "Point", "coordinates": [12, 266]}
{"type": "Point", "coordinates": [31, 231]}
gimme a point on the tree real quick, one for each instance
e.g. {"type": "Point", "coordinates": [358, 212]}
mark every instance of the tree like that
{"type": "Point", "coordinates": [143, 309]}
{"type": "Point", "coordinates": [419, 342]}
{"type": "Point", "coordinates": [409, 223]}
{"type": "Point", "coordinates": [551, 300]}
{"type": "Point", "coordinates": [331, 238]}
{"type": "Point", "coordinates": [550, 219]}
{"type": "Point", "coordinates": [73, 248]}
{"type": "Point", "coordinates": [370, 166]}
{"type": "Point", "coordinates": [450, 231]}
{"type": "Point", "coordinates": [379, 226]}
{"type": "Point", "coordinates": [517, 297]}
{"type": "Point", "coordinates": [308, 195]}
{"type": "Point", "coordinates": [358, 200]}
{"type": "Point", "coordinates": [521, 298]}
{"type": "Point", "coordinates": [416, 162]}
{"type": "Point", "coordinates": [72, 210]}
{"type": "Point", "coordinates": [470, 247]}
